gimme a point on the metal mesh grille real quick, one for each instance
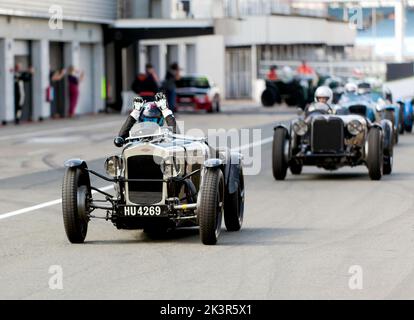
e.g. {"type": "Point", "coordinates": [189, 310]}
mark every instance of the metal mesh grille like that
{"type": "Point", "coordinates": [328, 136]}
{"type": "Point", "coordinates": [144, 167]}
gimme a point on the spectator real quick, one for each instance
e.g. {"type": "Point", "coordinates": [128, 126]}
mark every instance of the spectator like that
{"type": "Point", "coordinates": [146, 85]}
{"type": "Point", "coordinates": [272, 74]}
{"type": "Point", "coordinates": [55, 87]}
{"type": "Point", "coordinates": [169, 84]}
{"type": "Point", "coordinates": [20, 77]}
{"type": "Point", "coordinates": [75, 77]}
{"type": "Point", "coordinates": [305, 69]}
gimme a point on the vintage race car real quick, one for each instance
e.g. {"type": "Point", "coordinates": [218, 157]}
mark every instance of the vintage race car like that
{"type": "Point", "coordinates": [297, 91]}
{"type": "Point", "coordinates": [327, 140]}
{"type": "Point", "coordinates": [161, 181]}
{"type": "Point", "coordinates": [376, 108]}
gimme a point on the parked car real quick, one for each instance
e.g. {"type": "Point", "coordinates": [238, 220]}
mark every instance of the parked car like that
{"type": "Point", "coordinates": [198, 92]}
{"type": "Point", "coordinates": [161, 181]}
{"type": "Point", "coordinates": [324, 139]}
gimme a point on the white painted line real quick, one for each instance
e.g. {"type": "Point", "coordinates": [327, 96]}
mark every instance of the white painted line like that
{"type": "Point", "coordinates": [254, 144]}
{"type": "Point", "coordinates": [42, 205]}
{"type": "Point", "coordinates": [61, 130]}
{"type": "Point", "coordinates": [59, 201]}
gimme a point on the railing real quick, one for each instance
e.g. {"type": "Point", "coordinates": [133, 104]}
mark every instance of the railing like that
{"type": "Point", "coordinates": [337, 68]}
{"type": "Point", "coordinates": [240, 8]}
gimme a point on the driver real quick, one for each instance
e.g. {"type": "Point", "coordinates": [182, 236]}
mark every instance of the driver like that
{"type": "Point", "coordinates": [324, 94]}
{"type": "Point", "coordinates": [323, 98]}
{"type": "Point", "coordinates": [157, 111]}
{"type": "Point", "coordinates": [351, 88]}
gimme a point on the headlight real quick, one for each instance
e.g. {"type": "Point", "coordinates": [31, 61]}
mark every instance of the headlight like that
{"type": "Point", "coordinates": [355, 127]}
{"type": "Point", "coordinates": [171, 167]}
{"type": "Point", "coordinates": [113, 166]}
{"type": "Point", "coordinates": [300, 127]}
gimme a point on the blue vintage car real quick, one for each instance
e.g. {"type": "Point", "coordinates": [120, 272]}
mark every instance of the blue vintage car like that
{"type": "Point", "coordinates": [407, 113]}
{"type": "Point", "coordinates": [375, 110]}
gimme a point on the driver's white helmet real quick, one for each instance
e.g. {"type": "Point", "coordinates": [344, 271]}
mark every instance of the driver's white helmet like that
{"type": "Point", "coordinates": [351, 87]}
{"type": "Point", "coordinates": [324, 92]}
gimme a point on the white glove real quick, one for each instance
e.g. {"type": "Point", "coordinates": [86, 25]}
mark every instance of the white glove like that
{"type": "Point", "coordinates": [138, 106]}
{"type": "Point", "coordinates": [161, 101]}
{"type": "Point", "coordinates": [138, 103]}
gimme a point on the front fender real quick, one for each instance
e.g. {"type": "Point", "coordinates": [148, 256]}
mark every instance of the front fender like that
{"type": "Point", "coordinates": [76, 163]}
{"type": "Point", "coordinates": [284, 126]}
{"type": "Point", "coordinates": [73, 164]}
{"type": "Point", "coordinates": [213, 163]}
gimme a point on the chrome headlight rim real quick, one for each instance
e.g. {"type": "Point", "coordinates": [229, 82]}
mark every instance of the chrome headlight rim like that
{"type": "Point", "coordinates": [355, 127]}
{"type": "Point", "coordinates": [113, 166]}
{"type": "Point", "coordinates": [300, 127]}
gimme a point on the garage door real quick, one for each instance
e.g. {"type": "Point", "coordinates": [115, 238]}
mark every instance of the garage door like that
{"type": "Point", "coordinates": [85, 104]}
{"type": "Point", "coordinates": [238, 73]}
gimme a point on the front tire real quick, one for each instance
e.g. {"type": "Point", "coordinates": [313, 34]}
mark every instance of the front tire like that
{"type": "Point", "coordinates": [75, 204]}
{"type": "Point", "coordinates": [279, 161]}
{"type": "Point", "coordinates": [375, 154]}
{"type": "Point", "coordinates": [234, 206]}
{"type": "Point", "coordinates": [210, 211]}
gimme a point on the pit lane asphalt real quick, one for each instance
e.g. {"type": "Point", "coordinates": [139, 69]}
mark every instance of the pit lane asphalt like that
{"type": "Point", "coordinates": [299, 240]}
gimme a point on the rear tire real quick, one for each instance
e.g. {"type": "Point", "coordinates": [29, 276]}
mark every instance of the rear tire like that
{"type": "Point", "coordinates": [75, 198]}
{"type": "Point", "coordinates": [234, 207]}
{"type": "Point", "coordinates": [210, 212]}
{"type": "Point", "coordinates": [375, 154]}
{"type": "Point", "coordinates": [279, 162]}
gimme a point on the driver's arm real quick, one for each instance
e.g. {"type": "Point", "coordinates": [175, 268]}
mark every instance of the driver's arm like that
{"type": "Point", "coordinates": [168, 115]}
{"type": "Point", "coordinates": [132, 118]}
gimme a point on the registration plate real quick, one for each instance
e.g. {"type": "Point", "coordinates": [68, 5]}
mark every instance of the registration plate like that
{"type": "Point", "coordinates": [185, 99]}
{"type": "Point", "coordinates": [143, 211]}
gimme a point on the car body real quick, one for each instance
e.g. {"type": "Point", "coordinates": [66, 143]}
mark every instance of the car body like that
{"type": "Point", "coordinates": [197, 92]}
{"type": "Point", "coordinates": [327, 140]}
{"type": "Point", "coordinates": [161, 181]}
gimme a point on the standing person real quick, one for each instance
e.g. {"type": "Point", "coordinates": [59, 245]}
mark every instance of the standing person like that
{"type": "Point", "coordinates": [146, 85]}
{"type": "Point", "coordinates": [55, 87]}
{"type": "Point", "coordinates": [20, 77]}
{"type": "Point", "coordinates": [169, 85]}
{"type": "Point", "coordinates": [75, 77]}
{"type": "Point", "coordinates": [305, 69]}
{"type": "Point", "coordinates": [272, 74]}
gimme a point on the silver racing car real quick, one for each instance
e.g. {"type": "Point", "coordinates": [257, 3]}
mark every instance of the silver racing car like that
{"type": "Point", "coordinates": [161, 180]}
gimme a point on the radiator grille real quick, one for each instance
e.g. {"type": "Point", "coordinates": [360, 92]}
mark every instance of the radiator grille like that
{"type": "Point", "coordinates": [144, 167]}
{"type": "Point", "coordinates": [327, 136]}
